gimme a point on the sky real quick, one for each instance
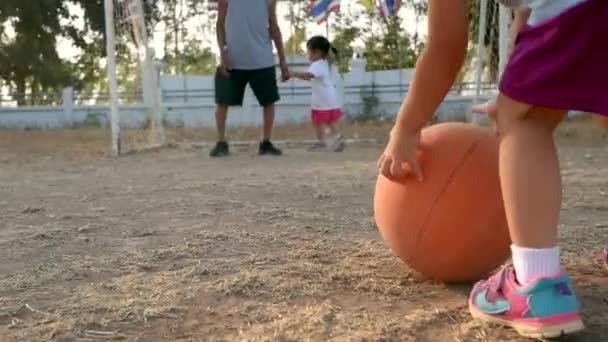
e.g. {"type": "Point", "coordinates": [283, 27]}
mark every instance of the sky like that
{"type": "Point", "coordinates": [66, 50]}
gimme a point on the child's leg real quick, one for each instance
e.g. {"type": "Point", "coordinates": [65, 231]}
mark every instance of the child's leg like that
{"type": "Point", "coordinates": [320, 131]}
{"type": "Point", "coordinates": [529, 172]}
{"type": "Point", "coordinates": [320, 145]}
{"type": "Point", "coordinates": [531, 186]}
{"type": "Point", "coordinates": [338, 143]}
{"type": "Point", "coordinates": [534, 296]}
{"type": "Point", "coordinates": [333, 130]}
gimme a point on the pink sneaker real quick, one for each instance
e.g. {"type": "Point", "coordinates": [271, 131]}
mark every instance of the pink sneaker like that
{"type": "Point", "coordinates": [546, 308]}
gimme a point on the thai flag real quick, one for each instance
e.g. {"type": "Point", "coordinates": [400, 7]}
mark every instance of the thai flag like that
{"type": "Point", "coordinates": [320, 9]}
{"type": "Point", "coordinates": [389, 7]}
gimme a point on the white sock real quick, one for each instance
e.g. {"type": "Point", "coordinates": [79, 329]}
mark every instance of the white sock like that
{"type": "Point", "coordinates": [531, 263]}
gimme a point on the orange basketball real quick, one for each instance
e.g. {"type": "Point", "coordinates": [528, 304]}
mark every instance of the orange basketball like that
{"type": "Point", "coordinates": [452, 226]}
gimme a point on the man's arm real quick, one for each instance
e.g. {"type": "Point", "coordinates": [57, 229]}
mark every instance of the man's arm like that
{"type": "Point", "coordinates": [220, 29]}
{"type": "Point", "coordinates": [220, 24]}
{"type": "Point", "coordinates": [277, 38]}
{"type": "Point", "coordinates": [275, 30]}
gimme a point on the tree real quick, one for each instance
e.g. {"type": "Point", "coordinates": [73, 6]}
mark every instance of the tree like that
{"type": "Point", "coordinates": [392, 49]}
{"type": "Point", "coordinates": [386, 45]}
{"type": "Point", "coordinates": [29, 62]}
{"type": "Point", "coordinates": [344, 36]}
{"type": "Point", "coordinates": [298, 17]}
{"type": "Point", "coordinates": [184, 52]}
{"type": "Point", "coordinates": [421, 10]}
{"type": "Point", "coordinates": [193, 59]}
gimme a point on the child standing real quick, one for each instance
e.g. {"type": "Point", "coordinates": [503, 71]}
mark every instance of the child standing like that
{"type": "Point", "coordinates": [324, 102]}
{"type": "Point", "coordinates": [557, 64]}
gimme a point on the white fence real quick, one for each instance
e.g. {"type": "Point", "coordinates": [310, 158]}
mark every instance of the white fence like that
{"type": "Point", "coordinates": [188, 102]}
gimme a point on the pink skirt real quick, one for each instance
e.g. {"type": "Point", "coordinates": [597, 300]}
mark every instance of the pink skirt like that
{"type": "Point", "coordinates": [325, 116]}
{"type": "Point", "coordinates": [563, 62]}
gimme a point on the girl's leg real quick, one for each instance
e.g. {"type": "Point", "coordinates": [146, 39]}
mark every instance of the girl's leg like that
{"type": "Point", "coordinates": [320, 145]}
{"type": "Point", "coordinates": [529, 172]}
{"type": "Point", "coordinates": [320, 132]}
{"type": "Point", "coordinates": [338, 144]}
{"type": "Point", "coordinates": [332, 128]}
{"type": "Point", "coordinates": [534, 296]}
{"type": "Point", "coordinates": [531, 185]}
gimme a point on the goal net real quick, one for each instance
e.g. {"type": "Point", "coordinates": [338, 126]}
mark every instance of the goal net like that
{"type": "Point", "coordinates": [135, 105]}
{"type": "Point", "coordinates": [487, 54]}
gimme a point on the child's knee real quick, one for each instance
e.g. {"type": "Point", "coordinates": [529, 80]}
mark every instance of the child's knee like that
{"type": "Point", "coordinates": [512, 115]}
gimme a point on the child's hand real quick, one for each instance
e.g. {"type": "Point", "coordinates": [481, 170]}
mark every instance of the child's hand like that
{"type": "Point", "coordinates": [490, 109]}
{"type": "Point", "coordinates": [401, 151]}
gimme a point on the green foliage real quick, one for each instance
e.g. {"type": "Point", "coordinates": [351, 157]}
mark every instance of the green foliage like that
{"type": "Point", "coordinates": [298, 16]}
{"type": "Point", "coordinates": [194, 59]}
{"type": "Point", "coordinates": [93, 120]}
{"type": "Point", "coordinates": [31, 66]}
{"type": "Point", "coordinates": [29, 62]}
{"type": "Point", "coordinates": [294, 45]}
{"type": "Point", "coordinates": [344, 35]}
{"type": "Point", "coordinates": [370, 102]}
{"type": "Point", "coordinates": [393, 49]}
{"type": "Point", "coordinates": [184, 51]}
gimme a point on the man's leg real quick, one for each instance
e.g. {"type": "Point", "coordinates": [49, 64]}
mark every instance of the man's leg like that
{"type": "Point", "coordinates": [229, 91]}
{"type": "Point", "coordinates": [221, 113]}
{"type": "Point", "coordinates": [264, 85]}
{"type": "Point", "coordinates": [268, 122]}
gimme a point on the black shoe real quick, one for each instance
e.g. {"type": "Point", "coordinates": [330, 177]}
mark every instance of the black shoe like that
{"type": "Point", "coordinates": [267, 148]}
{"type": "Point", "coordinates": [220, 149]}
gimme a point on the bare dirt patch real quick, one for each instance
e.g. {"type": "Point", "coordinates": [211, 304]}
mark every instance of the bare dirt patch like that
{"type": "Point", "coordinates": [174, 246]}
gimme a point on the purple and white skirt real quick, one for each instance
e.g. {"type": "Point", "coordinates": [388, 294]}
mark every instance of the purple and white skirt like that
{"type": "Point", "coordinates": [563, 62]}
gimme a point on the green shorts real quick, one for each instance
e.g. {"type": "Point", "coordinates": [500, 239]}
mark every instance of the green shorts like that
{"type": "Point", "coordinates": [230, 90]}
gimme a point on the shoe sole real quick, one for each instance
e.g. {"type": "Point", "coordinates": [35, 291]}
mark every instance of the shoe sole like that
{"type": "Point", "coordinates": [220, 155]}
{"type": "Point", "coordinates": [529, 331]}
{"type": "Point", "coordinates": [340, 147]}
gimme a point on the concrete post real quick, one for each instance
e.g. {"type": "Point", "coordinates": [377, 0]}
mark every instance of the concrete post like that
{"type": "Point", "coordinates": [68, 105]}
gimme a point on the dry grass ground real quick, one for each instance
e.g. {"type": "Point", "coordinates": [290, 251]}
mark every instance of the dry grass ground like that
{"type": "Point", "coordinates": [174, 246]}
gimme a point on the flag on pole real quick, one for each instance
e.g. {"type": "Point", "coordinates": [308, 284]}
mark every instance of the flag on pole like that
{"type": "Point", "coordinates": [389, 7]}
{"type": "Point", "coordinates": [212, 5]}
{"type": "Point", "coordinates": [320, 9]}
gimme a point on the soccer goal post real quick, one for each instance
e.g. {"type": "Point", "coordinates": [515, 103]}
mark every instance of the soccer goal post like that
{"type": "Point", "coordinates": [133, 79]}
{"type": "Point", "coordinates": [489, 44]}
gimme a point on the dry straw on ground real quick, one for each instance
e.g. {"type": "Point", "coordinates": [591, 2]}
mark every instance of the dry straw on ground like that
{"type": "Point", "coordinates": [174, 246]}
